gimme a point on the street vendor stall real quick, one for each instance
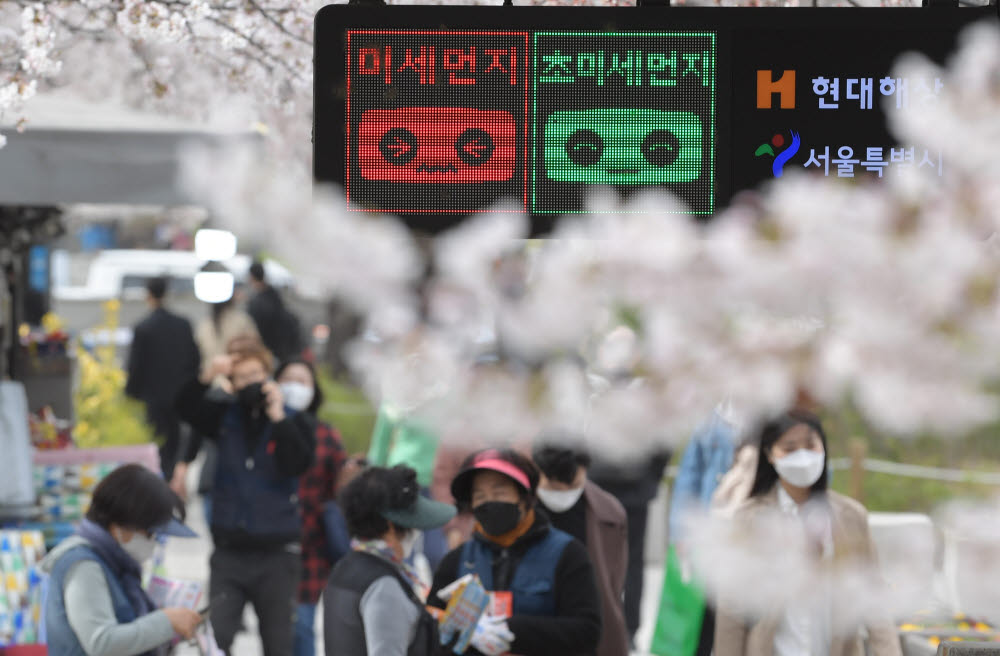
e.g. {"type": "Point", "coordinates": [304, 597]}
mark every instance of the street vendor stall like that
{"type": "Point", "coordinates": [61, 481]}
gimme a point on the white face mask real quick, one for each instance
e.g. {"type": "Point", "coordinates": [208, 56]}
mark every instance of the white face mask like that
{"type": "Point", "coordinates": [801, 468]}
{"type": "Point", "coordinates": [139, 547]}
{"type": "Point", "coordinates": [559, 501]}
{"type": "Point", "coordinates": [408, 542]}
{"type": "Point", "coordinates": [297, 396]}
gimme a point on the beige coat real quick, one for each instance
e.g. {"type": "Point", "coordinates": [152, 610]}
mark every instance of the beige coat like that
{"type": "Point", "coordinates": [233, 323]}
{"type": "Point", "coordinates": [607, 544]}
{"type": "Point", "coordinates": [734, 636]}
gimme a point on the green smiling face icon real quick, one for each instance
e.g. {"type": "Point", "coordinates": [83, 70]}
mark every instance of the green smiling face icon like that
{"type": "Point", "coordinates": [623, 146]}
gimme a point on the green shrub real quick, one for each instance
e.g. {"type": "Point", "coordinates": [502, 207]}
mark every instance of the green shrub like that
{"type": "Point", "coordinates": [347, 409]}
{"type": "Point", "coordinates": [977, 451]}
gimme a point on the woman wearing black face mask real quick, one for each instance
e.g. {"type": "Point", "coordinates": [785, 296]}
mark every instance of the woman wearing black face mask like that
{"type": "Point", "coordinates": [555, 608]}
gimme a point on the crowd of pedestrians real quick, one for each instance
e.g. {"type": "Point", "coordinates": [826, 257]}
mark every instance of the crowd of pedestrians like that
{"type": "Point", "coordinates": [384, 539]}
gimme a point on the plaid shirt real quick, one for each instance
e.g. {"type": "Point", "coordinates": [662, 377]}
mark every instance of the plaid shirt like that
{"type": "Point", "coordinates": [315, 489]}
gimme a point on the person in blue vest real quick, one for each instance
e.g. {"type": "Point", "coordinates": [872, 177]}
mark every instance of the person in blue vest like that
{"type": "Point", "coordinates": [96, 604]}
{"type": "Point", "coordinates": [555, 607]}
{"type": "Point", "coordinates": [264, 446]}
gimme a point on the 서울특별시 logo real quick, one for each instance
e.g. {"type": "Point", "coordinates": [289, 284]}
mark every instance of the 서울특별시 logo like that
{"type": "Point", "coordinates": [782, 155]}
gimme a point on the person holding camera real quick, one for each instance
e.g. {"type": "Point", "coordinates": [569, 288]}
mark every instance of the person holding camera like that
{"type": "Point", "coordinates": [264, 446]}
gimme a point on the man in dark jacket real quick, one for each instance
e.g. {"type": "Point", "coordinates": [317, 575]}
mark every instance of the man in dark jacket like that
{"type": "Point", "coordinates": [278, 327]}
{"type": "Point", "coordinates": [635, 485]}
{"type": "Point", "coordinates": [263, 449]}
{"type": "Point", "coordinates": [579, 507]}
{"type": "Point", "coordinates": [543, 572]}
{"type": "Point", "coordinates": [163, 356]}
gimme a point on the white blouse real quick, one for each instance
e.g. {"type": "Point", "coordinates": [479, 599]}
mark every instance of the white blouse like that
{"type": "Point", "coordinates": [803, 631]}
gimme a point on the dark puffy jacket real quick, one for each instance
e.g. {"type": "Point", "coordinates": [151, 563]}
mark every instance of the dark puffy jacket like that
{"type": "Point", "coordinates": [564, 617]}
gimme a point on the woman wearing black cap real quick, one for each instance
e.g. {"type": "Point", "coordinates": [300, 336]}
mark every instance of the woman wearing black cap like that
{"type": "Point", "coordinates": [555, 608]}
{"type": "Point", "coordinates": [96, 604]}
{"type": "Point", "coordinates": [373, 604]}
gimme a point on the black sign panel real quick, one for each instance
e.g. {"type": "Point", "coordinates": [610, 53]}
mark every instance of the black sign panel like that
{"type": "Point", "coordinates": [437, 112]}
{"type": "Point", "coordinates": [825, 111]}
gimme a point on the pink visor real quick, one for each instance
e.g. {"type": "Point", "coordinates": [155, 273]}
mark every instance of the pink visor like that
{"type": "Point", "coordinates": [506, 468]}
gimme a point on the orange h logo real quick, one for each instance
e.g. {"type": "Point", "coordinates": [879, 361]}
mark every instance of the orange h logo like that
{"type": "Point", "coordinates": [784, 86]}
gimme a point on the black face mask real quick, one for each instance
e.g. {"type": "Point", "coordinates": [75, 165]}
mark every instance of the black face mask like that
{"type": "Point", "coordinates": [497, 517]}
{"type": "Point", "coordinates": [251, 396]}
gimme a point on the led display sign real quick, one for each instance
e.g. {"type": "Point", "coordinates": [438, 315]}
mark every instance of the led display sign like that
{"type": "Point", "coordinates": [436, 112]}
{"type": "Point", "coordinates": [437, 120]}
{"type": "Point", "coordinates": [623, 109]}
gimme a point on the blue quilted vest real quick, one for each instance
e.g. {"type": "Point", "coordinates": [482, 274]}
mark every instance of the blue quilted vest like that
{"type": "Point", "coordinates": [250, 494]}
{"type": "Point", "coordinates": [533, 585]}
{"type": "Point", "coordinates": [60, 636]}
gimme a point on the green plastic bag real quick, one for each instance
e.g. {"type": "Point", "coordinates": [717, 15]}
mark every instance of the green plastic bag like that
{"type": "Point", "coordinates": [682, 608]}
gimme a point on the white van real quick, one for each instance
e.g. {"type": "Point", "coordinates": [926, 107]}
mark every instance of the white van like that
{"type": "Point", "coordinates": [122, 274]}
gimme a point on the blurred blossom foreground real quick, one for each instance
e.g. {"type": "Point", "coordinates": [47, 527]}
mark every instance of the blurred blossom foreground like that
{"type": "Point", "coordinates": [629, 327]}
{"type": "Point", "coordinates": [625, 328]}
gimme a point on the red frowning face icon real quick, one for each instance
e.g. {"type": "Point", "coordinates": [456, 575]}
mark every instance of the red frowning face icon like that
{"type": "Point", "coordinates": [437, 144]}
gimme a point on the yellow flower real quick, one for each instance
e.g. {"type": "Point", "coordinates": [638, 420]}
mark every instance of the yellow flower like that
{"type": "Point", "coordinates": [52, 322]}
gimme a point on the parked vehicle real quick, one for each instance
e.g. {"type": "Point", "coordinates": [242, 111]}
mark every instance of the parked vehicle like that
{"type": "Point", "coordinates": [122, 274]}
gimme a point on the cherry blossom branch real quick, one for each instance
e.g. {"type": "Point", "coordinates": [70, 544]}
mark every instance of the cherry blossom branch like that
{"type": "Point", "coordinates": [267, 15]}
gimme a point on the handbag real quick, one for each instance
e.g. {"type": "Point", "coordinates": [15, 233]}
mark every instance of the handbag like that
{"type": "Point", "coordinates": [682, 609]}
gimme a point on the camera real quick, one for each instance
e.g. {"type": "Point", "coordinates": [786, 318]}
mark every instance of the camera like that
{"type": "Point", "coordinates": [252, 396]}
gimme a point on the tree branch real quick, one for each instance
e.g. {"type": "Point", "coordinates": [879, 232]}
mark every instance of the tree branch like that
{"type": "Point", "coordinates": [263, 51]}
{"type": "Point", "coordinates": [271, 19]}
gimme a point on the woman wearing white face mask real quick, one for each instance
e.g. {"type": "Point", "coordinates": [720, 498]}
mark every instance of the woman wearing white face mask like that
{"type": "Point", "coordinates": [374, 602]}
{"type": "Point", "coordinates": [95, 603]}
{"type": "Point", "coordinates": [297, 379]}
{"type": "Point", "coordinates": [790, 490]}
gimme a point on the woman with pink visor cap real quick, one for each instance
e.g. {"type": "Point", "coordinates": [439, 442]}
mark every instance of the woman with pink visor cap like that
{"type": "Point", "coordinates": [544, 574]}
